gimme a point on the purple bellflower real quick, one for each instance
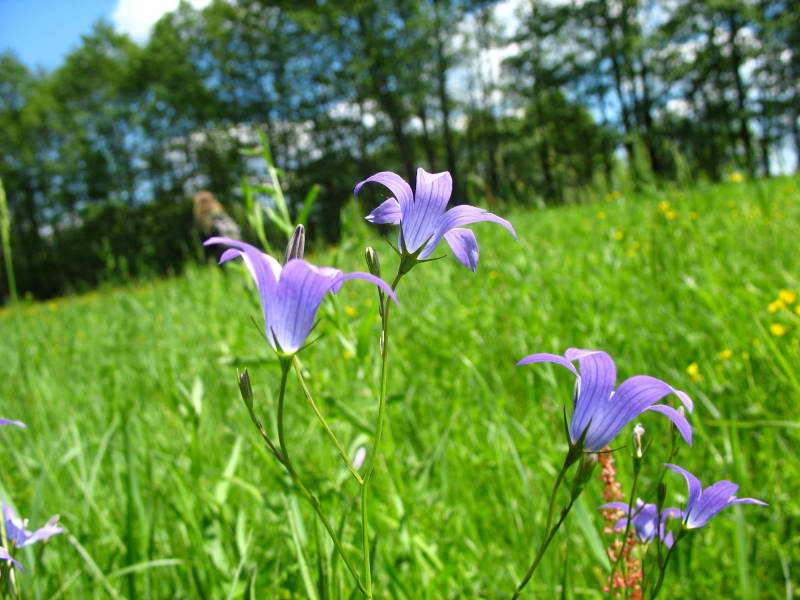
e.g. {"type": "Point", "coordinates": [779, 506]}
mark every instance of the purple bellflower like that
{"type": "Point", "coordinates": [21, 537]}
{"type": "Point", "coordinates": [290, 294]}
{"type": "Point", "coordinates": [645, 521]}
{"type": "Point", "coordinates": [599, 412]}
{"type": "Point", "coordinates": [423, 219]}
{"type": "Point", "coordinates": [11, 422]}
{"type": "Point", "coordinates": [704, 504]}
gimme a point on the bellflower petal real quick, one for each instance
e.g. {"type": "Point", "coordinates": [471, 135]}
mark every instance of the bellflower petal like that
{"type": "Point", "coordinates": [387, 212]}
{"type": "Point", "coordinates": [396, 184]}
{"type": "Point", "coordinates": [705, 504]}
{"type": "Point", "coordinates": [4, 555]}
{"type": "Point", "coordinates": [372, 279]}
{"type": "Point", "coordinates": [635, 395]}
{"type": "Point", "coordinates": [598, 375]}
{"type": "Point", "coordinates": [423, 219]}
{"type": "Point", "coordinates": [464, 246]}
{"type": "Point", "coordinates": [600, 413]}
{"type": "Point", "coordinates": [430, 200]}
{"type": "Point", "coordinates": [290, 294]}
{"type": "Point", "coordinates": [464, 214]}
{"type": "Point", "coordinates": [680, 422]}
{"type": "Point", "coordinates": [645, 520]}
{"type": "Point", "coordinates": [20, 537]}
{"type": "Point", "coordinates": [12, 422]}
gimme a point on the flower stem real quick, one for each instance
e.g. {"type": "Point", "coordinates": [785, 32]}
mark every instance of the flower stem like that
{"type": "Point", "coordinates": [312, 500]}
{"type": "Point", "coordinates": [328, 430]}
{"type": "Point", "coordinates": [549, 533]}
{"type": "Point", "coordinates": [662, 573]}
{"type": "Point", "coordinates": [373, 452]}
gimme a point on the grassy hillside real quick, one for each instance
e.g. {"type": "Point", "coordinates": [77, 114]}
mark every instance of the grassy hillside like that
{"type": "Point", "coordinates": [137, 437]}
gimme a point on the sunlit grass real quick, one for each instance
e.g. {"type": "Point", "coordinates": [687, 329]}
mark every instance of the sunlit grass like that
{"type": "Point", "coordinates": [137, 436]}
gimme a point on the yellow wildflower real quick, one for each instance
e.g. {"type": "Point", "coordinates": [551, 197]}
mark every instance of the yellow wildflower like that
{"type": "Point", "coordinates": [777, 329]}
{"type": "Point", "coordinates": [349, 311]}
{"type": "Point", "coordinates": [725, 354]}
{"type": "Point", "coordinates": [663, 206]}
{"type": "Point", "coordinates": [347, 355]}
{"type": "Point", "coordinates": [776, 306]}
{"type": "Point", "coordinates": [671, 214]}
{"type": "Point", "coordinates": [619, 235]}
{"type": "Point", "coordinates": [694, 372]}
{"type": "Point", "coordinates": [788, 296]}
{"type": "Point", "coordinates": [736, 177]}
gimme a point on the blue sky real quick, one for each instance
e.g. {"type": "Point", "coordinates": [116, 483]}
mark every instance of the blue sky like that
{"type": "Point", "coordinates": [42, 32]}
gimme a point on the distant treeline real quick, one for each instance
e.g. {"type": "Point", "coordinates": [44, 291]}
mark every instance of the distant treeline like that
{"type": "Point", "coordinates": [526, 102]}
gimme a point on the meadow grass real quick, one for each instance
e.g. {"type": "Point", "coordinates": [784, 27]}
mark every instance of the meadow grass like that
{"type": "Point", "coordinates": [137, 435]}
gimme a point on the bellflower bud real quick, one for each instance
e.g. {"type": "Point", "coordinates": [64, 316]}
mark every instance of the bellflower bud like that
{"type": "Point", "coordinates": [584, 473]}
{"type": "Point", "coordinates": [297, 244]}
{"type": "Point", "coordinates": [373, 262]}
{"type": "Point", "coordinates": [246, 389]}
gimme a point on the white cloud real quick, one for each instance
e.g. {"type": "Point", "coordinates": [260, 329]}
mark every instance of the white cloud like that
{"type": "Point", "coordinates": [137, 17]}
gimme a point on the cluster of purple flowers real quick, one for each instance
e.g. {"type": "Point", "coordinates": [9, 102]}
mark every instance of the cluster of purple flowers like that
{"type": "Point", "coordinates": [291, 294]}
{"type": "Point", "coordinates": [16, 532]}
{"type": "Point", "coordinates": [599, 414]}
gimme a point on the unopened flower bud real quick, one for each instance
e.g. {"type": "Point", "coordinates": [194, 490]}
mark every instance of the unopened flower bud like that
{"type": "Point", "coordinates": [373, 263]}
{"type": "Point", "coordinates": [584, 472]}
{"type": "Point", "coordinates": [662, 494]}
{"type": "Point", "coordinates": [358, 459]}
{"type": "Point", "coordinates": [638, 436]}
{"type": "Point", "coordinates": [246, 389]}
{"type": "Point", "coordinates": [297, 244]}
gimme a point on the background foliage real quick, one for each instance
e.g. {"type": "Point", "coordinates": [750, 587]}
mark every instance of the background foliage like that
{"type": "Point", "coordinates": [138, 437]}
{"type": "Point", "coordinates": [528, 106]}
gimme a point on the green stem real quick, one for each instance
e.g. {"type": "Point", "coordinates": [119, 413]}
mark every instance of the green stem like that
{"type": "Point", "coordinates": [662, 572]}
{"type": "Point", "coordinates": [543, 549]}
{"type": "Point", "coordinates": [549, 534]}
{"type": "Point", "coordinates": [321, 418]}
{"type": "Point", "coordinates": [373, 452]}
{"type": "Point", "coordinates": [312, 500]}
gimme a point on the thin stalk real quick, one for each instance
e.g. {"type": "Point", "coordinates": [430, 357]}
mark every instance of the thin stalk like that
{"type": "Point", "coordinates": [321, 418]}
{"type": "Point", "coordinates": [662, 572]}
{"type": "Point", "coordinates": [543, 549]}
{"type": "Point", "coordinates": [373, 452]}
{"type": "Point", "coordinates": [548, 533]}
{"type": "Point", "coordinates": [313, 500]}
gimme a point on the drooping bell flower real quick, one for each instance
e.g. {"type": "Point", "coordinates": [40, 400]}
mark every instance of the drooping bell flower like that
{"type": "Point", "coordinates": [291, 293]}
{"type": "Point", "coordinates": [600, 412]}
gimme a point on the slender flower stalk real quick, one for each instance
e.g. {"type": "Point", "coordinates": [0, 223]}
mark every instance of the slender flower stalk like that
{"type": "Point", "coordinates": [285, 459]}
{"type": "Point", "coordinates": [373, 451]}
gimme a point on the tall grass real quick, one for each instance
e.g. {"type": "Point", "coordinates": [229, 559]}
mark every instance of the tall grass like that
{"type": "Point", "coordinates": [137, 437]}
